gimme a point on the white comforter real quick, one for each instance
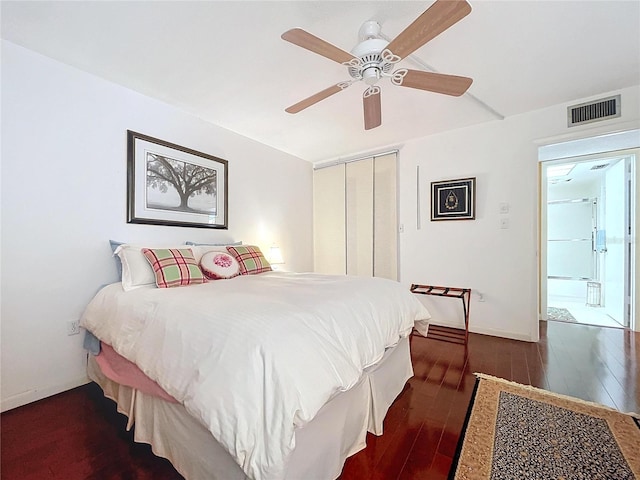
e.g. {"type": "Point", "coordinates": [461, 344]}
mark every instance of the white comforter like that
{"type": "Point", "coordinates": [256, 356]}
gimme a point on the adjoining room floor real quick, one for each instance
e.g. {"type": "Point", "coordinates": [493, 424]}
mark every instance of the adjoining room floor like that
{"type": "Point", "coordinates": [580, 313]}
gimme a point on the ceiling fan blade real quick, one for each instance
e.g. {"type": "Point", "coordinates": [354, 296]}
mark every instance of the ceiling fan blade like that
{"type": "Point", "coordinates": [303, 39]}
{"type": "Point", "coordinates": [436, 82]}
{"type": "Point", "coordinates": [313, 99]}
{"type": "Point", "coordinates": [372, 110]}
{"type": "Point", "coordinates": [433, 21]}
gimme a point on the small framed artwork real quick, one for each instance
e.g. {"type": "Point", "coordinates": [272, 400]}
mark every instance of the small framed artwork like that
{"type": "Point", "coordinates": [453, 199]}
{"type": "Point", "coordinates": [172, 185]}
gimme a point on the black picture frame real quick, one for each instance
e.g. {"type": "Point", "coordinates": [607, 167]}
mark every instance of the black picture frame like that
{"type": "Point", "coordinates": [453, 199]}
{"type": "Point", "coordinates": [171, 185]}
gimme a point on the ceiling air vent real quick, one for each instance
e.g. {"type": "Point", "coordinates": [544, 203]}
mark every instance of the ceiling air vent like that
{"type": "Point", "coordinates": [598, 167]}
{"type": "Point", "coordinates": [593, 111]}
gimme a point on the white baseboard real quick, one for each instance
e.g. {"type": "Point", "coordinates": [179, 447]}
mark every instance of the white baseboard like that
{"type": "Point", "coordinates": [36, 394]}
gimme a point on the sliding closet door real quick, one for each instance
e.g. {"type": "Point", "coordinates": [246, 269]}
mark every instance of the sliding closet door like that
{"type": "Point", "coordinates": [355, 218]}
{"type": "Point", "coordinates": [359, 190]}
{"type": "Point", "coordinates": [385, 220]}
{"type": "Point", "coordinates": [329, 220]}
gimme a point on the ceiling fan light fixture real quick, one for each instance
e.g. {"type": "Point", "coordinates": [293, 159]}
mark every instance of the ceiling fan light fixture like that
{"type": "Point", "coordinates": [371, 75]}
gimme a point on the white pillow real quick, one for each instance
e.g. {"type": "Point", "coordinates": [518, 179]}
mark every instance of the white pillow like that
{"type": "Point", "coordinates": [136, 270]}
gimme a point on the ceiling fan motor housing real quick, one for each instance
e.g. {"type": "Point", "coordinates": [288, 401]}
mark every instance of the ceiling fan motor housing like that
{"type": "Point", "coordinates": [371, 63]}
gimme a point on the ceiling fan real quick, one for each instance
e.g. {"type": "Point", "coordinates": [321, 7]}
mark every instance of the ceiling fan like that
{"type": "Point", "coordinates": [374, 58]}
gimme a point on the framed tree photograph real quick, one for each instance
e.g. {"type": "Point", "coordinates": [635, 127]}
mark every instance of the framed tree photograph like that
{"type": "Point", "coordinates": [172, 185]}
{"type": "Point", "coordinates": [453, 199]}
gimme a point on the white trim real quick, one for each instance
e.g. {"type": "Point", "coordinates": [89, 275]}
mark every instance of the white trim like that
{"type": "Point", "coordinates": [418, 219]}
{"type": "Point", "coordinates": [339, 161]}
{"type": "Point", "coordinates": [635, 252]}
{"type": "Point", "coordinates": [601, 130]}
{"type": "Point", "coordinates": [590, 146]}
{"type": "Point", "coordinates": [39, 393]}
{"type": "Point", "coordinates": [398, 256]}
{"type": "Point", "coordinates": [612, 151]}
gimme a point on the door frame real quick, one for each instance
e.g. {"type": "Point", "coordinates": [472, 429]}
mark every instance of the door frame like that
{"type": "Point", "coordinates": [632, 287]}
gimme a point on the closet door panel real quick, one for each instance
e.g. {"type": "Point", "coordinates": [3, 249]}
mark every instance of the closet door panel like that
{"type": "Point", "coordinates": [385, 237]}
{"type": "Point", "coordinates": [359, 221]}
{"type": "Point", "coordinates": [329, 224]}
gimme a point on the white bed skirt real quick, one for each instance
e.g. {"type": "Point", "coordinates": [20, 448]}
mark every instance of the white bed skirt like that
{"type": "Point", "coordinates": [322, 446]}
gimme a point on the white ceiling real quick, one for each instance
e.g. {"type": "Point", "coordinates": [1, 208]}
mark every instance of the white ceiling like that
{"type": "Point", "coordinates": [225, 62]}
{"type": "Point", "coordinates": [584, 172]}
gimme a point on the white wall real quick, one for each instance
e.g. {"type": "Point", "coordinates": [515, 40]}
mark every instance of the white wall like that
{"type": "Point", "coordinates": [64, 197]}
{"type": "Point", "coordinates": [575, 190]}
{"type": "Point", "coordinates": [499, 263]}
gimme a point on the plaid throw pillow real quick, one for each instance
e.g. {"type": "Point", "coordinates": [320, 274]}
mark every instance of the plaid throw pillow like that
{"type": "Point", "coordinates": [250, 258]}
{"type": "Point", "coordinates": [174, 267]}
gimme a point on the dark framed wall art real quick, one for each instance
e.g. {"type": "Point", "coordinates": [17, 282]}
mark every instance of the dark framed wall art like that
{"type": "Point", "coordinates": [172, 185]}
{"type": "Point", "coordinates": [453, 199]}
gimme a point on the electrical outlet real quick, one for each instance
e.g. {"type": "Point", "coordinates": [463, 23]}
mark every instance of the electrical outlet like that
{"type": "Point", "coordinates": [73, 327]}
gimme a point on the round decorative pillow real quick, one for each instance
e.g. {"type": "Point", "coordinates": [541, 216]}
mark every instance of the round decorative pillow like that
{"type": "Point", "coordinates": [219, 265]}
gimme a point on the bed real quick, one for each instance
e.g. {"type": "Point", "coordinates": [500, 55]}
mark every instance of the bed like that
{"type": "Point", "coordinates": [275, 375]}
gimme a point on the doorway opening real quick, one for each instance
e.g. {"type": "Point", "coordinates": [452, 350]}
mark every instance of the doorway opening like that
{"type": "Point", "coordinates": [587, 228]}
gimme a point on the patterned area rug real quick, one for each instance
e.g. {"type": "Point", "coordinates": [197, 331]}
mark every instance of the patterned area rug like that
{"type": "Point", "coordinates": [514, 431]}
{"type": "Point", "coordinates": [561, 314]}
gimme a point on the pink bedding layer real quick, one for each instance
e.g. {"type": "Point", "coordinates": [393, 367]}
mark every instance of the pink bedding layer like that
{"type": "Point", "coordinates": [120, 370]}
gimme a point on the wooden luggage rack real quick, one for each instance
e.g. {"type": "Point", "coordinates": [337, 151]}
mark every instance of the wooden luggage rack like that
{"type": "Point", "coordinates": [447, 334]}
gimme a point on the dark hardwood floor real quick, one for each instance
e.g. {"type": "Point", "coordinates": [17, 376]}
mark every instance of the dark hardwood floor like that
{"type": "Point", "coordinates": [79, 435]}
